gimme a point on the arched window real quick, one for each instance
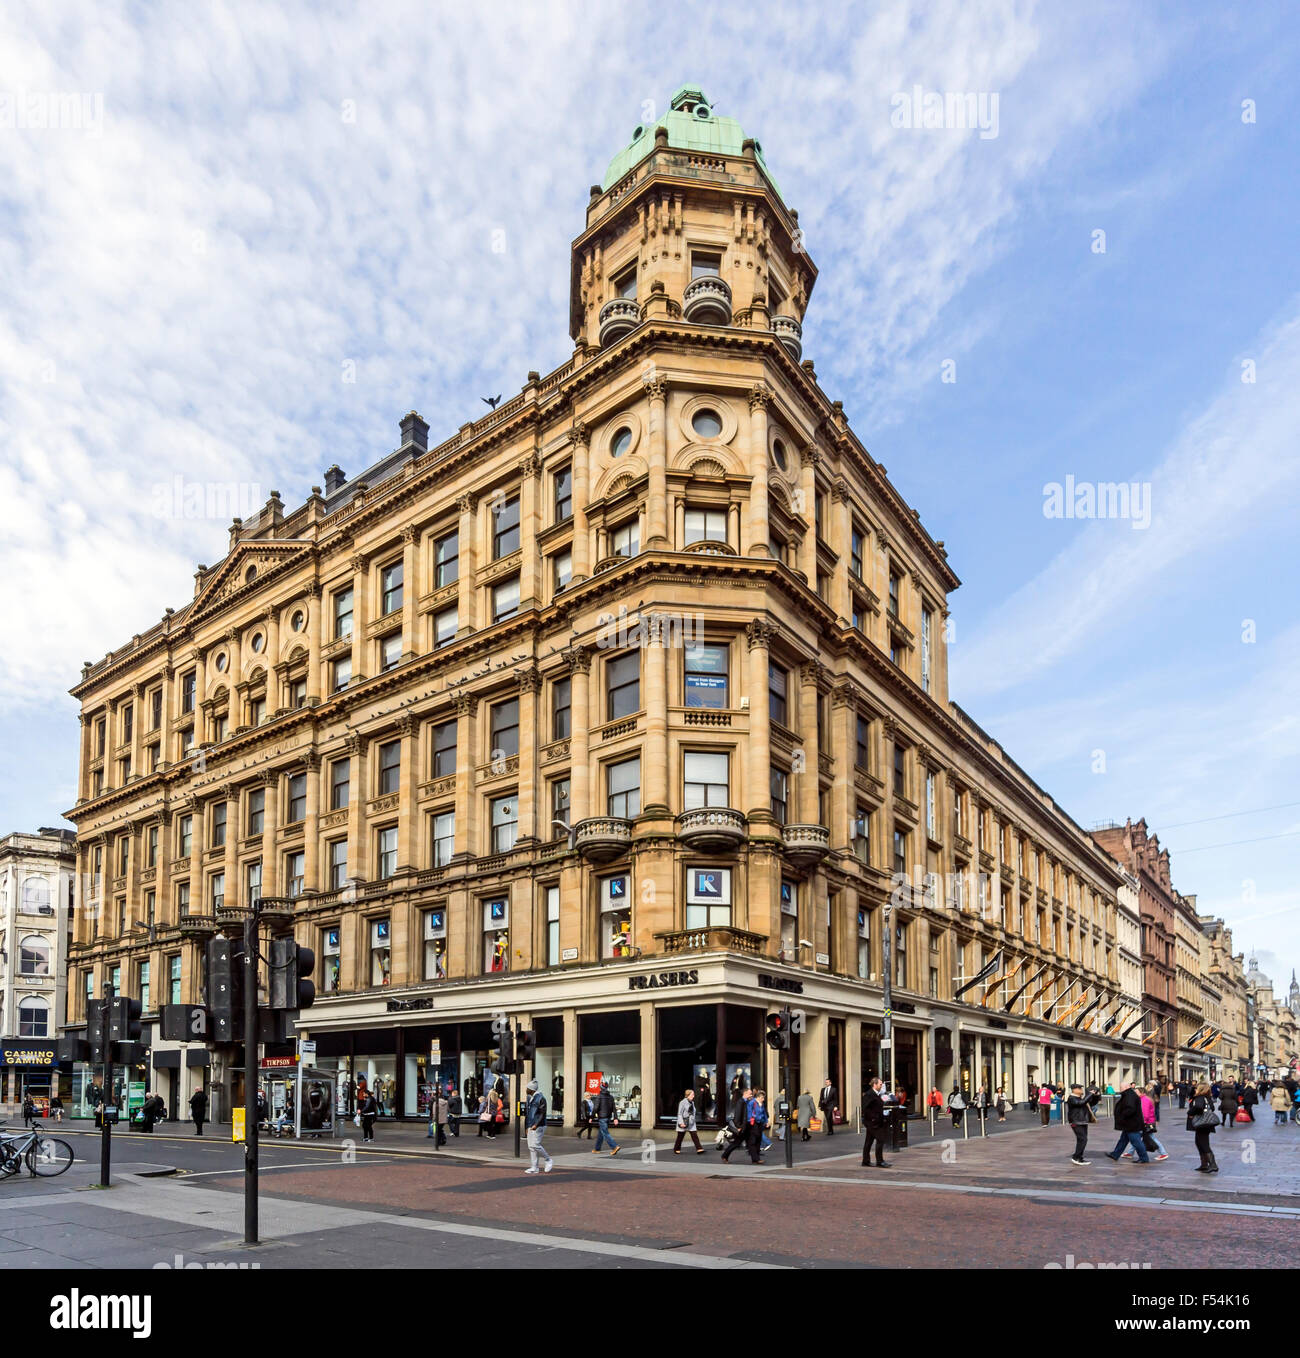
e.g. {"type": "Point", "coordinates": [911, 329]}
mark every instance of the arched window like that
{"type": "Point", "coordinates": [33, 1018]}
{"type": "Point", "coordinates": [36, 896]}
{"type": "Point", "coordinates": [34, 956]}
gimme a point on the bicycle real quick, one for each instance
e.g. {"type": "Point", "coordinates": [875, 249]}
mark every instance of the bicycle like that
{"type": "Point", "coordinates": [46, 1156]}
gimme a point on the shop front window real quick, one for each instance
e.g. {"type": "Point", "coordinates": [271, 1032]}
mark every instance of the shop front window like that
{"type": "Point", "coordinates": [616, 916]}
{"type": "Point", "coordinates": [381, 953]}
{"type": "Point", "coordinates": [610, 1047]}
{"type": "Point", "coordinates": [864, 945]}
{"type": "Point", "coordinates": [789, 921]}
{"type": "Point", "coordinates": [496, 935]}
{"type": "Point", "coordinates": [330, 959]}
{"type": "Point", "coordinates": [708, 897]}
{"type": "Point", "coordinates": [435, 945]}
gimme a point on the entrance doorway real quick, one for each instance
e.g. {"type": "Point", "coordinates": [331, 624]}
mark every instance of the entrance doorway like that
{"type": "Point", "coordinates": [907, 1065]}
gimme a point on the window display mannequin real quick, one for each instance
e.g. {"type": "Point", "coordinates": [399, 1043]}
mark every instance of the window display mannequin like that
{"type": "Point", "coordinates": [500, 950]}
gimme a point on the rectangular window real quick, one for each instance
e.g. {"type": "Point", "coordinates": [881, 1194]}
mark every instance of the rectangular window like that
{"type": "Point", "coordinates": [218, 824]}
{"type": "Point", "coordinates": [862, 835]}
{"type": "Point", "coordinates": [174, 978]}
{"type": "Point", "coordinates": [381, 953]}
{"type": "Point", "coordinates": [929, 805]}
{"type": "Point", "coordinates": [297, 798]}
{"type": "Point", "coordinates": [444, 749]}
{"type": "Point", "coordinates": [340, 783]}
{"type": "Point", "coordinates": [183, 900]}
{"type": "Point", "coordinates": [435, 945]}
{"type": "Point", "coordinates": [708, 898]}
{"type": "Point", "coordinates": [504, 724]}
{"type": "Point", "coordinates": [338, 861]}
{"type": "Point", "coordinates": [343, 613]}
{"type": "Point", "coordinates": [253, 882]}
{"type": "Point", "coordinates": [496, 935]}
{"type": "Point", "coordinates": [444, 838]}
{"type": "Point", "coordinates": [706, 676]}
{"type": "Point", "coordinates": [155, 709]}
{"type": "Point", "coordinates": [623, 788]}
{"type": "Point", "coordinates": [625, 284]}
{"type": "Point", "coordinates": [445, 626]}
{"type": "Point", "coordinates": [563, 565]}
{"type": "Point", "coordinates": [330, 958]}
{"type": "Point", "coordinates": [390, 767]}
{"type": "Point", "coordinates": [900, 851]}
{"type": "Point", "coordinates": [559, 806]}
{"type": "Point", "coordinates": [563, 494]}
{"type": "Point", "coordinates": [390, 589]}
{"type": "Point", "coordinates": [256, 711]}
{"type": "Point", "coordinates": [294, 868]}
{"type": "Point", "coordinates": [706, 525]}
{"type": "Point", "coordinates": [706, 779]}
{"type": "Point", "coordinates": [780, 787]}
{"type": "Point", "coordinates": [504, 822]}
{"type": "Point", "coordinates": [855, 553]}
{"type": "Point", "coordinates": [561, 711]}
{"type": "Point", "coordinates": [505, 529]}
{"type": "Point", "coordinates": [625, 540]}
{"type": "Point", "coordinates": [615, 917]}
{"type": "Point", "coordinates": [390, 652]}
{"type": "Point", "coordinates": [446, 560]}
{"type": "Point", "coordinates": [505, 599]}
{"type": "Point", "coordinates": [623, 685]}
{"type": "Point", "coordinates": [893, 593]}
{"type": "Point", "coordinates": [151, 847]}
{"type": "Point", "coordinates": [705, 264]}
{"type": "Point", "coordinates": [218, 892]}
{"type": "Point", "coordinates": [128, 724]}
{"type": "Point", "coordinates": [298, 693]}
{"type": "Point", "coordinates": [219, 728]}
{"type": "Point", "coordinates": [862, 751]}
{"type": "Point", "coordinates": [256, 810]}
{"type": "Point", "coordinates": [387, 851]}
{"type": "Point", "coordinates": [900, 955]}
{"type": "Point", "coordinates": [776, 694]}
{"type": "Point", "coordinates": [552, 926]}
{"type": "Point", "coordinates": [864, 945]}
{"type": "Point", "coordinates": [900, 770]}
{"type": "Point", "coordinates": [927, 623]}
{"type": "Point", "coordinates": [342, 673]}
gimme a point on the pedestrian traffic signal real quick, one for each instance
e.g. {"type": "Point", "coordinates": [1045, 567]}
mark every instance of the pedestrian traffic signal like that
{"type": "Point", "coordinates": [525, 1045]}
{"type": "Point", "coordinates": [291, 967]}
{"type": "Point", "coordinates": [778, 1030]}
{"type": "Point", "coordinates": [124, 1019]}
{"type": "Point", "coordinates": [226, 988]}
{"type": "Point", "coordinates": [95, 1030]}
{"type": "Point", "coordinates": [503, 1058]}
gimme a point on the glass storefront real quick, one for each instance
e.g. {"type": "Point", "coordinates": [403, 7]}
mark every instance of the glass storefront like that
{"type": "Point", "coordinates": [966, 1069]}
{"type": "Point", "coordinates": [610, 1052]}
{"type": "Point", "coordinates": [548, 1065]}
{"type": "Point", "coordinates": [696, 1042]}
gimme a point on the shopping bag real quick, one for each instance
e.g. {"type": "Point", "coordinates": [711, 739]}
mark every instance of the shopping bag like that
{"type": "Point", "coordinates": [814, 1124]}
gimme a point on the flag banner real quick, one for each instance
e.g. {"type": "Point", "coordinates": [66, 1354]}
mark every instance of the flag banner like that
{"type": "Point", "coordinates": [987, 969]}
{"type": "Point", "coordinates": [1073, 1008]}
{"type": "Point", "coordinates": [1123, 1037]}
{"type": "Point", "coordinates": [1202, 1032]}
{"type": "Point", "coordinates": [990, 988]}
{"type": "Point", "coordinates": [1006, 1008]}
{"type": "Point", "coordinates": [1047, 1013]}
{"type": "Point", "coordinates": [1208, 1042]}
{"type": "Point", "coordinates": [1086, 1012]}
{"type": "Point", "coordinates": [1147, 1038]}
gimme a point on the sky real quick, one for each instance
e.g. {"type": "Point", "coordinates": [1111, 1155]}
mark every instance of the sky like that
{"type": "Point", "coordinates": [238, 242]}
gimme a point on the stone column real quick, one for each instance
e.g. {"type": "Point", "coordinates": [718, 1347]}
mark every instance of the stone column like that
{"type": "Point", "coordinates": [656, 721]}
{"type": "Point", "coordinates": [843, 733]}
{"type": "Point", "coordinates": [529, 525]}
{"type": "Point", "coordinates": [360, 613]}
{"type": "Point", "coordinates": [467, 545]}
{"type": "Point", "coordinates": [198, 840]}
{"type": "Point", "coordinates": [234, 888]}
{"type": "Point", "coordinates": [679, 521]}
{"type": "Point", "coordinates": [275, 697]}
{"type": "Point", "coordinates": [808, 493]}
{"type": "Point", "coordinates": [756, 526]}
{"type": "Point", "coordinates": [758, 748]}
{"type": "Point", "coordinates": [407, 778]}
{"type": "Point", "coordinates": [466, 759]}
{"type": "Point", "coordinates": [412, 584]}
{"type": "Point", "coordinates": [851, 1094]}
{"type": "Point", "coordinates": [656, 390]}
{"type": "Point", "coordinates": [649, 1068]}
{"type": "Point", "coordinates": [315, 684]}
{"type": "Point", "coordinates": [137, 729]}
{"type": "Point", "coordinates": [84, 783]}
{"type": "Point", "coordinates": [580, 442]}
{"type": "Point", "coordinates": [271, 872]}
{"type": "Point", "coordinates": [580, 799]}
{"type": "Point", "coordinates": [573, 1090]}
{"type": "Point", "coordinates": [358, 794]}
{"type": "Point", "coordinates": [311, 877]}
{"type": "Point", "coordinates": [162, 873]}
{"type": "Point", "coordinates": [841, 530]}
{"type": "Point", "coordinates": [234, 676]}
{"type": "Point", "coordinates": [810, 779]}
{"type": "Point", "coordinates": [530, 683]}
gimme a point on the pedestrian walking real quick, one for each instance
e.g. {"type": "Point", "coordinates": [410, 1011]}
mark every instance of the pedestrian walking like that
{"type": "Point", "coordinates": [56, 1108]}
{"type": "Point", "coordinates": [1129, 1123]}
{"type": "Point", "coordinates": [454, 1109]}
{"type": "Point", "coordinates": [150, 1112]}
{"type": "Point", "coordinates": [934, 1100]}
{"type": "Point", "coordinates": [1001, 1104]}
{"type": "Point", "coordinates": [199, 1109]}
{"type": "Point", "coordinates": [1183, 1092]}
{"type": "Point", "coordinates": [827, 1101]}
{"type": "Point", "coordinates": [874, 1123]}
{"type": "Point", "coordinates": [738, 1122]}
{"type": "Point", "coordinates": [1280, 1102]}
{"type": "Point", "coordinates": [686, 1124]}
{"type": "Point", "coordinates": [1249, 1098]}
{"type": "Point", "coordinates": [983, 1102]}
{"type": "Point", "coordinates": [1201, 1120]}
{"type": "Point", "coordinates": [29, 1110]}
{"type": "Point", "coordinates": [1228, 1104]}
{"type": "Point", "coordinates": [535, 1125]}
{"type": "Point", "coordinates": [586, 1118]}
{"type": "Point", "coordinates": [956, 1105]}
{"type": "Point", "coordinates": [1150, 1121]}
{"type": "Point", "coordinates": [439, 1112]}
{"type": "Point", "coordinates": [1045, 1104]}
{"type": "Point", "coordinates": [757, 1120]}
{"type": "Point", "coordinates": [603, 1111]}
{"type": "Point", "coordinates": [805, 1111]}
{"type": "Point", "coordinates": [1079, 1114]}
{"type": "Point", "coordinates": [368, 1111]}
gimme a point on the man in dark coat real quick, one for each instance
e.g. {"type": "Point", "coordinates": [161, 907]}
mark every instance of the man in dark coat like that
{"type": "Point", "coordinates": [873, 1122]}
{"type": "Point", "coordinates": [1078, 1113]}
{"type": "Point", "coordinates": [199, 1109]}
{"type": "Point", "coordinates": [827, 1101]}
{"type": "Point", "coordinates": [1129, 1123]}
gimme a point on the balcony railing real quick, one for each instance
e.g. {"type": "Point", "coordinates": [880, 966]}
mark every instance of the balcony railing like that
{"type": "Point", "coordinates": [707, 301]}
{"type": "Point", "coordinates": [806, 845]}
{"type": "Point", "coordinates": [712, 828]}
{"type": "Point", "coordinates": [718, 939]}
{"type": "Point", "coordinates": [618, 318]}
{"type": "Point", "coordinates": [602, 838]}
{"type": "Point", "coordinates": [790, 333]}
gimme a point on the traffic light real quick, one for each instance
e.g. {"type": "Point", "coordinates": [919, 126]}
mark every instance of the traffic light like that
{"type": "Point", "coordinates": [503, 1058]}
{"type": "Point", "coordinates": [226, 988]}
{"type": "Point", "coordinates": [778, 1030]}
{"type": "Point", "coordinates": [95, 1030]}
{"type": "Point", "coordinates": [291, 968]}
{"type": "Point", "coordinates": [525, 1045]}
{"type": "Point", "coordinates": [124, 1019]}
{"type": "Point", "coordinates": [69, 1049]}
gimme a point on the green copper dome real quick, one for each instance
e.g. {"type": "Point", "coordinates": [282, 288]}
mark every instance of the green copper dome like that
{"type": "Point", "coordinates": [692, 126]}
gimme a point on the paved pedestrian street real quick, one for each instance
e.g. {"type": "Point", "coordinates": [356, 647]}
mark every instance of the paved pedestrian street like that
{"type": "Point", "coordinates": [1009, 1200]}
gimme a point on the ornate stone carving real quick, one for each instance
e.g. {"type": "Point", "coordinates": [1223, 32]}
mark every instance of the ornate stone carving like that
{"type": "Point", "coordinates": [359, 562]}
{"type": "Point", "coordinates": [530, 465]}
{"type": "Point", "coordinates": [578, 658]}
{"type": "Point", "coordinates": [579, 434]}
{"type": "Point", "coordinates": [759, 633]}
{"type": "Point", "coordinates": [467, 503]}
{"type": "Point", "coordinates": [466, 704]}
{"type": "Point", "coordinates": [312, 760]}
{"type": "Point", "coordinates": [840, 491]}
{"type": "Point", "coordinates": [410, 533]}
{"type": "Point", "coordinates": [407, 724]}
{"type": "Point", "coordinates": [655, 386]}
{"type": "Point", "coordinates": [529, 680]}
{"type": "Point", "coordinates": [760, 396]}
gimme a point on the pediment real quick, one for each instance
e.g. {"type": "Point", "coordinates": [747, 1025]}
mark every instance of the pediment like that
{"type": "Point", "coordinates": [232, 577]}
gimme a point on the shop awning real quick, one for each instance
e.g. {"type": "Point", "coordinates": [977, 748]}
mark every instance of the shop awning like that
{"type": "Point", "coordinates": [167, 1060]}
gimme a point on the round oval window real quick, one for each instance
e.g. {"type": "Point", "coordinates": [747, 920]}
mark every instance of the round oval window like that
{"type": "Point", "coordinates": [221, 663]}
{"type": "Point", "coordinates": [251, 573]}
{"type": "Point", "coordinates": [778, 454]}
{"type": "Point", "coordinates": [622, 442]}
{"type": "Point", "coordinates": [256, 643]}
{"type": "Point", "coordinates": [706, 424]}
{"type": "Point", "coordinates": [298, 621]}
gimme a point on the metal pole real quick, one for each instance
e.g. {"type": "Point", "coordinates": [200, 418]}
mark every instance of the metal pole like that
{"type": "Point", "coordinates": [517, 1119]}
{"type": "Point", "coordinates": [250, 1074]}
{"type": "Point", "coordinates": [789, 1123]}
{"type": "Point", "coordinates": [886, 1022]}
{"type": "Point", "coordinates": [105, 1125]}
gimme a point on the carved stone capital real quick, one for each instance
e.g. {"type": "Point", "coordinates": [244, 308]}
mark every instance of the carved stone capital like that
{"type": "Point", "coordinates": [810, 457]}
{"type": "Point", "coordinates": [530, 465]}
{"type": "Point", "coordinates": [579, 434]}
{"type": "Point", "coordinates": [529, 680]}
{"type": "Point", "coordinates": [312, 760]}
{"type": "Point", "coordinates": [655, 386]}
{"type": "Point", "coordinates": [410, 533]}
{"type": "Point", "coordinates": [466, 704]}
{"type": "Point", "coordinates": [407, 724]}
{"type": "Point", "coordinates": [359, 561]}
{"type": "Point", "coordinates": [578, 659]}
{"type": "Point", "coordinates": [759, 633]}
{"type": "Point", "coordinates": [840, 491]}
{"type": "Point", "coordinates": [467, 503]}
{"type": "Point", "coordinates": [760, 396]}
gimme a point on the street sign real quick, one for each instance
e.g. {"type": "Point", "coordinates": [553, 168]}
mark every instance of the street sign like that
{"type": "Point", "coordinates": [237, 1124]}
{"type": "Point", "coordinates": [306, 1049]}
{"type": "Point", "coordinates": [886, 1041]}
{"type": "Point", "coordinates": [435, 1052]}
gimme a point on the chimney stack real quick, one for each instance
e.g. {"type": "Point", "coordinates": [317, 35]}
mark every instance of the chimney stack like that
{"type": "Point", "coordinates": [334, 478]}
{"type": "Point", "coordinates": [414, 431]}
